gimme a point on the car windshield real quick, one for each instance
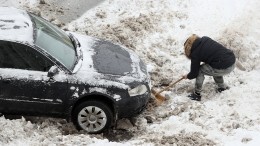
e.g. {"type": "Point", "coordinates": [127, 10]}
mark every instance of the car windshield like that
{"type": "Point", "coordinates": [56, 42]}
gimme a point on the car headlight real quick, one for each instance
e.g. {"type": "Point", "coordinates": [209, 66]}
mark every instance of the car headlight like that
{"type": "Point", "coordinates": [139, 90]}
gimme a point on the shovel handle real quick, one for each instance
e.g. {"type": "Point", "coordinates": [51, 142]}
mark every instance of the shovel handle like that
{"type": "Point", "coordinates": [172, 84]}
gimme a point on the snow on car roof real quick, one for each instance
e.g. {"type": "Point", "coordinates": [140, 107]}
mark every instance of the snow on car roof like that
{"type": "Point", "coordinates": [15, 25]}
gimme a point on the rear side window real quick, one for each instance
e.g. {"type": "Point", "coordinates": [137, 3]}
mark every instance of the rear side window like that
{"type": "Point", "coordinates": [19, 56]}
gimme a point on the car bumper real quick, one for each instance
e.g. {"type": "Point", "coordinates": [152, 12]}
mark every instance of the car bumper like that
{"type": "Point", "coordinates": [134, 105]}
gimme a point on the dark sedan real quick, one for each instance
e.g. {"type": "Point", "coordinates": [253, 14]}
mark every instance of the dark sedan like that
{"type": "Point", "coordinates": [45, 71]}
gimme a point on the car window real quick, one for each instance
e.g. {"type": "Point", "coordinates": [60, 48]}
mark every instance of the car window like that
{"type": "Point", "coordinates": [19, 56]}
{"type": "Point", "coordinates": [55, 42]}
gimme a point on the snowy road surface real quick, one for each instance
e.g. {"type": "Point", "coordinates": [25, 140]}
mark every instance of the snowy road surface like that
{"type": "Point", "coordinates": [72, 9]}
{"type": "Point", "coordinates": [64, 11]}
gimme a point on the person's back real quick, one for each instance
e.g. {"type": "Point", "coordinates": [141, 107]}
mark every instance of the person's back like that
{"type": "Point", "coordinates": [211, 52]}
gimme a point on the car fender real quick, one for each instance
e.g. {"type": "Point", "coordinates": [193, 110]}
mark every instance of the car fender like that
{"type": "Point", "coordinates": [80, 96]}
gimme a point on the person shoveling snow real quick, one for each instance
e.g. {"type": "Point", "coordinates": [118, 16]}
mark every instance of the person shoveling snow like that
{"type": "Point", "coordinates": [217, 61]}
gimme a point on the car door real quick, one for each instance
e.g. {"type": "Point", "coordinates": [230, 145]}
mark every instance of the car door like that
{"type": "Point", "coordinates": [25, 87]}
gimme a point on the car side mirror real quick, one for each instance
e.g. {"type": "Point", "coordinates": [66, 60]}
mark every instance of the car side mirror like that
{"type": "Point", "coordinates": [54, 70]}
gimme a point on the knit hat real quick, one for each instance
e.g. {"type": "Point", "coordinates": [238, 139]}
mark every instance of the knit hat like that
{"type": "Point", "coordinates": [188, 44]}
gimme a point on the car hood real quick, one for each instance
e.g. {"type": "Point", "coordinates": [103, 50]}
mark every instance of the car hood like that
{"type": "Point", "coordinates": [108, 64]}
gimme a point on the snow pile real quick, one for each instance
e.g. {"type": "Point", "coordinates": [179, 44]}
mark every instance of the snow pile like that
{"type": "Point", "coordinates": [156, 30]}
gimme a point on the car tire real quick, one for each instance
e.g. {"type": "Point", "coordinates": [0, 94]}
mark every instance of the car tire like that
{"type": "Point", "coordinates": [92, 116]}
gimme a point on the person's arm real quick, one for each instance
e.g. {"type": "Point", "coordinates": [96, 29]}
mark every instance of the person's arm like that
{"type": "Point", "coordinates": [194, 69]}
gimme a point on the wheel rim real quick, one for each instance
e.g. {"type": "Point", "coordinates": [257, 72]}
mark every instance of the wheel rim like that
{"type": "Point", "coordinates": [92, 119]}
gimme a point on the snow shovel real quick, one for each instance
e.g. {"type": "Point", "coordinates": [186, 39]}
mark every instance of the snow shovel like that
{"type": "Point", "coordinates": [161, 98]}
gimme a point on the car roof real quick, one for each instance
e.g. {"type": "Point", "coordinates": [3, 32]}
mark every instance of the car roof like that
{"type": "Point", "coordinates": [15, 25]}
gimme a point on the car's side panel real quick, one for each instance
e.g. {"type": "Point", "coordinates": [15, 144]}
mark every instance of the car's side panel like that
{"type": "Point", "coordinates": [25, 87]}
{"type": "Point", "coordinates": [31, 92]}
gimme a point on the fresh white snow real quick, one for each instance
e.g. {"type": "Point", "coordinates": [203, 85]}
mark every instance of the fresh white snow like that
{"type": "Point", "coordinates": [14, 21]}
{"type": "Point", "coordinates": [156, 31]}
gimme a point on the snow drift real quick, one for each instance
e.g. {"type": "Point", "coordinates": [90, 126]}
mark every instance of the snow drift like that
{"type": "Point", "coordinates": [156, 30]}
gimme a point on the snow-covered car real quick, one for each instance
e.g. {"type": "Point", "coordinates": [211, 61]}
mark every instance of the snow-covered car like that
{"type": "Point", "coordinates": [45, 71]}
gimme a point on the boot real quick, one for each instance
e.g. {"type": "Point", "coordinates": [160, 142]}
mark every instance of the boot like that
{"type": "Point", "coordinates": [219, 90]}
{"type": "Point", "coordinates": [195, 96]}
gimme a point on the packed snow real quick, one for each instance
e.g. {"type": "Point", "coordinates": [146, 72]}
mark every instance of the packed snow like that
{"type": "Point", "coordinates": [156, 31]}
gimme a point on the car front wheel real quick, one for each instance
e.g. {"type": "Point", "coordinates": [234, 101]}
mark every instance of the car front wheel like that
{"type": "Point", "coordinates": [92, 116]}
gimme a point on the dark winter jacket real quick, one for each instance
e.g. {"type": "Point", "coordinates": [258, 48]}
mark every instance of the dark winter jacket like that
{"type": "Point", "coordinates": [210, 52]}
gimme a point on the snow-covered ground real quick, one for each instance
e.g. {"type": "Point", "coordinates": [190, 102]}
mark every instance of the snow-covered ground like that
{"type": "Point", "coordinates": [156, 30]}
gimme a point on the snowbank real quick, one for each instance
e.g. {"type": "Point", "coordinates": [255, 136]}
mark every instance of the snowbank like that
{"type": "Point", "coordinates": [156, 30]}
